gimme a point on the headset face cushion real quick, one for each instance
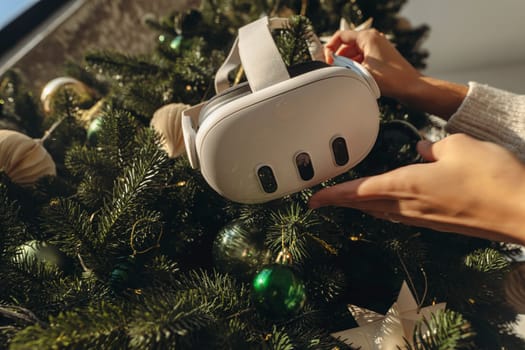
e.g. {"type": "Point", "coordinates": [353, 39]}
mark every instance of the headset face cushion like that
{"type": "Point", "coordinates": [305, 67]}
{"type": "Point", "coordinates": [226, 96]}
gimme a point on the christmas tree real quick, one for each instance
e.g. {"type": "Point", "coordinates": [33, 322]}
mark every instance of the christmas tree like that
{"type": "Point", "coordinates": [121, 244]}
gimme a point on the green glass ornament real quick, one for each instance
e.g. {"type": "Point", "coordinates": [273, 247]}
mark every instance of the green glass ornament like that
{"type": "Point", "coordinates": [278, 292]}
{"type": "Point", "coordinates": [176, 43]}
{"type": "Point", "coordinates": [93, 130]}
{"type": "Point", "coordinates": [123, 273]}
{"type": "Point", "coordinates": [239, 250]}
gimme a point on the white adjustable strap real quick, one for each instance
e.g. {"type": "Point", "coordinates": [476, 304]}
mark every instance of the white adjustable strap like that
{"type": "Point", "coordinates": [260, 57]}
{"type": "Point", "coordinates": [261, 60]}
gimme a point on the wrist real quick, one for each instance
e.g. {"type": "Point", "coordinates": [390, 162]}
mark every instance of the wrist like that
{"type": "Point", "coordinates": [434, 96]}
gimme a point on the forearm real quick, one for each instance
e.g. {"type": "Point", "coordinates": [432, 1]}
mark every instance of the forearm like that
{"type": "Point", "coordinates": [493, 115]}
{"type": "Point", "coordinates": [434, 96]}
{"type": "Point", "coordinates": [487, 113]}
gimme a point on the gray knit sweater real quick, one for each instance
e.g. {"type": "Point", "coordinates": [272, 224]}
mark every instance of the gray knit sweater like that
{"type": "Point", "coordinates": [494, 115]}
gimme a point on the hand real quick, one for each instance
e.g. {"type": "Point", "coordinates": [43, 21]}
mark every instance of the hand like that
{"type": "Point", "coordinates": [471, 187]}
{"type": "Point", "coordinates": [370, 48]}
{"type": "Point", "coordinates": [394, 75]}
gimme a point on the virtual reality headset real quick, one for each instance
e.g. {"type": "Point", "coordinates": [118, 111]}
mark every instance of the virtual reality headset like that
{"type": "Point", "coordinates": [286, 128]}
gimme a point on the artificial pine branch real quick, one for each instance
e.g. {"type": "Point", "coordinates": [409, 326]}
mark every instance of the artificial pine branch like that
{"type": "Point", "coordinates": [79, 71]}
{"type": "Point", "coordinates": [487, 260]}
{"type": "Point", "coordinates": [117, 136]}
{"type": "Point", "coordinates": [101, 326]}
{"type": "Point", "coordinates": [279, 340]}
{"type": "Point", "coordinates": [292, 41]}
{"type": "Point", "coordinates": [443, 331]}
{"type": "Point", "coordinates": [70, 227]}
{"type": "Point", "coordinates": [13, 231]}
{"type": "Point", "coordinates": [291, 229]}
{"type": "Point", "coordinates": [140, 181]}
{"type": "Point", "coordinates": [121, 64]}
{"type": "Point", "coordinates": [187, 305]}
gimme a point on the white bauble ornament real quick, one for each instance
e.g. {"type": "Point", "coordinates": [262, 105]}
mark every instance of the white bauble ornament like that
{"type": "Point", "coordinates": [167, 122]}
{"type": "Point", "coordinates": [24, 159]}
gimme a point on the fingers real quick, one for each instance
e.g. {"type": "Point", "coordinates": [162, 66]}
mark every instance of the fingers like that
{"type": "Point", "coordinates": [338, 195]}
{"type": "Point", "coordinates": [433, 151]}
{"type": "Point", "coordinates": [342, 43]}
{"type": "Point", "coordinates": [354, 194]}
{"type": "Point", "coordinates": [424, 148]}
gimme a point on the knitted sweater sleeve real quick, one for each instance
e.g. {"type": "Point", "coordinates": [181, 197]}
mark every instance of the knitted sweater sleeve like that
{"type": "Point", "coordinates": [494, 115]}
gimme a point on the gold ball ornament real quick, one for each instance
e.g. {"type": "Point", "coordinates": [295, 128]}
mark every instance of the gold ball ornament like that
{"type": "Point", "coordinates": [167, 122]}
{"type": "Point", "coordinates": [24, 159]}
{"type": "Point", "coordinates": [88, 116]}
{"type": "Point", "coordinates": [84, 94]}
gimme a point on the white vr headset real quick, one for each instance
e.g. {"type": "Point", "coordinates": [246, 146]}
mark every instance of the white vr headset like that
{"type": "Point", "coordinates": [286, 129]}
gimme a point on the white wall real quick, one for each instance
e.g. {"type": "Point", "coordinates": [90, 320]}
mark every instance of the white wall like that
{"type": "Point", "coordinates": [480, 40]}
{"type": "Point", "coordinates": [509, 77]}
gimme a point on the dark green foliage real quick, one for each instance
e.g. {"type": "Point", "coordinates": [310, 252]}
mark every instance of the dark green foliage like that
{"type": "Point", "coordinates": [11, 227]}
{"type": "Point", "coordinates": [18, 109]}
{"type": "Point", "coordinates": [448, 331]}
{"type": "Point", "coordinates": [293, 41]}
{"type": "Point", "coordinates": [297, 226]}
{"type": "Point", "coordinates": [137, 228]}
{"type": "Point", "coordinates": [100, 326]}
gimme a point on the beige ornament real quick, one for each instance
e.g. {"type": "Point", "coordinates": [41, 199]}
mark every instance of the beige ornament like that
{"type": "Point", "coordinates": [84, 93]}
{"type": "Point", "coordinates": [167, 122]}
{"type": "Point", "coordinates": [345, 25]}
{"type": "Point", "coordinates": [24, 159]}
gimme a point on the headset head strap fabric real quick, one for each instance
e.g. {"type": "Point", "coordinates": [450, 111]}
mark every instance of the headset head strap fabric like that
{"type": "Point", "coordinates": [255, 49]}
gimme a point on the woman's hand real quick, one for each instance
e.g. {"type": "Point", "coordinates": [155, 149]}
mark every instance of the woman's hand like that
{"type": "Point", "coordinates": [373, 50]}
{"type": "Point", "coordinates": [468, 186]}
{"type": "Point", "coordinates": [394, 75]}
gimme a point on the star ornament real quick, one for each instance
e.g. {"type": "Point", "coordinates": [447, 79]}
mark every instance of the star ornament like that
{"type": "Point", "coordinates": [344, 25]}
{"type": "Point", "coordinates": [387, 332]}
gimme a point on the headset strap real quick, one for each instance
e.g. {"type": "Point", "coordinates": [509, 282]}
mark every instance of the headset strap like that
{"type": "Point", "coordinates": [256, 50]}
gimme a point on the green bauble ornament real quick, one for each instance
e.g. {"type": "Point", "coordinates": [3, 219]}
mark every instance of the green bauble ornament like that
{"type": "Point", "coordinates": [93, 130]}
{"type": "Point", "coordinates": [175, 43]}
{"type": "Point", "coordinates": [239, 250]}
{"type": "Point", "coordinates": [123, 273]}
{"type": "Point", "coordinates": [278, 292]}
{"type": "Point", "coordinates": [40, 252]}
